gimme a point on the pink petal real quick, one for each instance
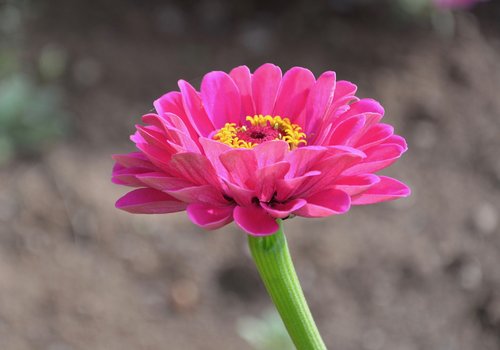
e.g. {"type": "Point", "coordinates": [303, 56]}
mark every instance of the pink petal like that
{"type": "Point", "coordinates": [209, 217]}
{"type": "Point", "coordinates": [199, 194]}
{"type": "Point", "coordinates": [303, 159]}
{"type": "Point", "coordinates": [242, 196]}
{"type": "Point", "coordinates": [127, 176]}
{"type": "Point", "coordinates": [375, 135]}
{"type": "Point", "coordinates": [162, 182]}
{"type": "Point", "coordinates": [168, 120]}
{"type": "Point", "coordinates": [156, 155]}
{"type": "Point", "coordinates": [265, 84]}
{"type": "Point", "coordinates": [286, 188]}
{"type": "Point", "coordinates": [365, 105]}
{"type": "Point", "coordinates": [133, 159]}
{"type": "Point", "coordinates": [175, 131]}
{"type": "Point", "coordinates": [194, 109]}
{"type": "Point", "coordinates": [195, 168]}
{"type": "Point", "coordinates": [213, 149]}
{"type": "Point", "coordinates": [172, 103]}
{"type": "Point", "coordinates": [344, 94]}
{"type": "Point", "coordinates": [397, 140]}
{"type": "Point", "coordinates": [325, 203]}
{"type": "Point", "coordinates": [377, 158]}
{"type": "Point", "coordinates": [387, 189]}
{"type": "Point", "coordinates": [318, 102]}
{"type": "Point", "coordinates": [267, 178]}
{"type": "Point", "coordinates": [355, 184]}
{"type": "Point", "coordinates": [270, 152]}
{"type": "Point", "coordinates": [241, 165]}
{"type": "Point", "coordinates": [153, 137]}
{"type": "Point", "coordinates": [243, 80]}
{"type": "Point", "coordinates": [221, 98]}
{"type": "Point", "coordinates": [330, 169]}
{"type": "Point", "coordinates": [255, 221]}
{"type": "Point", "coordinates": [293, 92]}
{"type": "Point", "coordinates": [149, 201]}
{"type": "Point", "coordinates": [282, 210]}
{"type": "Point", "coordinates": [348, 128]}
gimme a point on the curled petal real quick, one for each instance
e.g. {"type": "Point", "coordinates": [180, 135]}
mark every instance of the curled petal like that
{"type": "Point", "coordinates": [375, 135]}
{"type": "Point", "coordinates": [365, 105]}
{"type": "Point", "coordinates": [209, 217]}
{"type": "Point", "coordinates": [282, 210]}
{"type": "Point", "coordinates": [397, 140]}
{"type": "Point", "coordinates": [344, 94]}
{"type": "Point", "coordinates": [355, 184]}
{"type": "Point", "coordinates": [171, 103]}
{"type": "Point", "coordinates": [241, 165]}
{"type": "Point", "coordinates": [255, 221]}
{"type": "Point", "coordinates": [303, 159]}
{"type": "Point", "coordinates": [330, 169]}
{"type": "Point", "coordinates": [149, 201]}
{"type": "Point", "coordinates": [267, 179]}
{"type": "Point", "coordinates": [213, 149]}
{"type": "Point", "coordinates": [377, 159]}
{"type": "Point", "coordinates": [240, 195]}
{"type": "Point", "coordinates": [387, 189]}
{"type": "Point", "coordinates": [286, 188]}
{"type": "Point", "coordinates": [325, 203]}
{"type": "Point", "coordinates": [346, 130]}
{"type": "Point", "coordinates": [175, 131]}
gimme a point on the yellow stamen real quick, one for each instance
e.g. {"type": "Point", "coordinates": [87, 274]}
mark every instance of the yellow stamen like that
{"type": "Point", "coordinates": [289, 132]}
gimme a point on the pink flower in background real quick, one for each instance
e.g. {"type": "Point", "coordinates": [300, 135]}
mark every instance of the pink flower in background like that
{"type": "Point", "coordinates": [256, 147]}
{"type": "Point", "coordinates": [453, 4]}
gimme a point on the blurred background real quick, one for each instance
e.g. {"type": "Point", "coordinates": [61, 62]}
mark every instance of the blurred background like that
{"type": "Point", "coordinates": [75, 273]}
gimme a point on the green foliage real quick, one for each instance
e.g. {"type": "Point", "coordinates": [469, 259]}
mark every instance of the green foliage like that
{"type": "Point", "coordinates": [31, 113]}
{"type": "Point", "coordinates": [30, 117]}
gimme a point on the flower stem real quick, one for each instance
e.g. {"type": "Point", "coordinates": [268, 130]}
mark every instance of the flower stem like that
{"type": "Point", "coordinates": [275, 266]}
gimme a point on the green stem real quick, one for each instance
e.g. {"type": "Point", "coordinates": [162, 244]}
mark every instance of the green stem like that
{"type": "Point", "coordinates": [275, 266]}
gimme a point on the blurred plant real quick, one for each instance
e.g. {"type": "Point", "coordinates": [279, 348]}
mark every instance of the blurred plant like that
{"type": "Point", "coordinates": [266, 332]}
{"type": "Point", "coordinates": [30, 117]}
{"type": "Point", "coordinates": [31, 113]}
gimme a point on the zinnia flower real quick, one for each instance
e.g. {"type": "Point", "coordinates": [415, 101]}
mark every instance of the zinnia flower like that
{"type": "Point", "coordinates": [257, 147]}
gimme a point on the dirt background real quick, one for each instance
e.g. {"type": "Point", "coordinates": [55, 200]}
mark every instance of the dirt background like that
{"type": "Point", "coordinates": [420, 273]}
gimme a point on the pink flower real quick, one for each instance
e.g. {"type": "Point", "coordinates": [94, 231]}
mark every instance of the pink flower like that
{"type": "Point", "coordinates": [453, 4]}
{"type": "Point", "coordinates": [256, 147]}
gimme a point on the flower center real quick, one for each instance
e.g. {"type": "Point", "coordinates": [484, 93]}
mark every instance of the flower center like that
{"type": "Point", "coordinates": [260, 129]}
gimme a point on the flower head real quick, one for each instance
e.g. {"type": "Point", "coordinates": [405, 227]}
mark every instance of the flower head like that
{"type": "Point", "coordinates": [256, 147]}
